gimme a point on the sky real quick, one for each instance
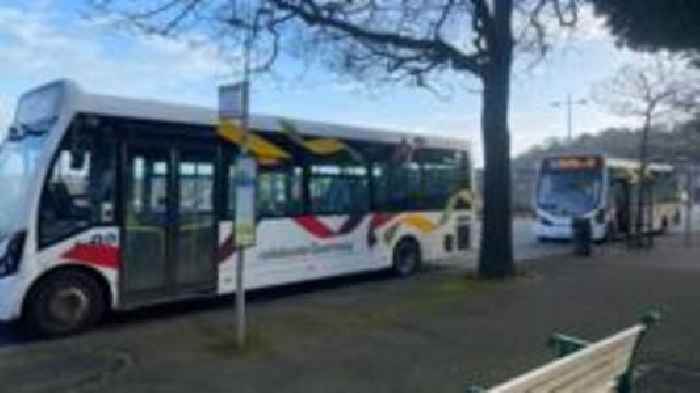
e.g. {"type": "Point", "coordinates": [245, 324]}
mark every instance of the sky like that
{"type": "Point", "coordinates": [43, 40]}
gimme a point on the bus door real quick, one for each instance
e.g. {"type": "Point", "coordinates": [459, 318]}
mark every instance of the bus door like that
{"type": "Point", "coordinates": [622, 199]}
{"type": "Point", "coordinates": [170, 224]}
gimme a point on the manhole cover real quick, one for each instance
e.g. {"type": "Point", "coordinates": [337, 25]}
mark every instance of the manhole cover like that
{"type": "Point", "coordinates": [52, 372]}
{"type": "Point", "coordinates": [662, 378]}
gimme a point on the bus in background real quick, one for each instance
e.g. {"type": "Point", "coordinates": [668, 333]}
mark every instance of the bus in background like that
{"type": "Point", "coordinates": [605, 190]}
{"type": "Point", "coordinates": [111, 204]}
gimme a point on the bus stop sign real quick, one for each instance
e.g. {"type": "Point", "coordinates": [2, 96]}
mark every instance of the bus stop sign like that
{"type": "Point", "coordinates": [245, 181]}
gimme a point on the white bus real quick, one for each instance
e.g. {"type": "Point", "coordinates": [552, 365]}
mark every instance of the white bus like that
{"type": "Point", "coordinates": [605, 190]}
{"type": "Point", "coordinates": [110, 203]}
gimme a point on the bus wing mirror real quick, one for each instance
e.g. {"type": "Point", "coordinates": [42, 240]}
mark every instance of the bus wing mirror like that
{"type": "Point", "coordinates": [14, 133]}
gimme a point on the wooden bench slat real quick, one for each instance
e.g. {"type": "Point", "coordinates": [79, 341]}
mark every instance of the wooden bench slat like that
{"type": "Point", "coordinates": [598, 378]}
{"type": "Point", "coordinates": [589, 372]}
{"type": "Point", "coordinates": [606, 359]}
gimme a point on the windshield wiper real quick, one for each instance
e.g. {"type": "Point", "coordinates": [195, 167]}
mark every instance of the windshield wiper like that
{"type": "Point", "coordinates": [29, 130]}
{"type": "Point", "coordinates": [37, 128]}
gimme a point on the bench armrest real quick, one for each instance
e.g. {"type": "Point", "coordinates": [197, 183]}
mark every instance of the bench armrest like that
{"type": "Point", "coordinates": [625, 382]}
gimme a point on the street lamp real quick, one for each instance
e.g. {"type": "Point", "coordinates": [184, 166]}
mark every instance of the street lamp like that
{"type": "Point", "coordinates": [569, 103]}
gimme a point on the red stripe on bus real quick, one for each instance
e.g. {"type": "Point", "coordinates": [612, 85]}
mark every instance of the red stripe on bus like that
{"type": "Point", "coordinates": [226, 249]}
{"type": "Point", "coordinates": [314, 226]}
{"type": "Point", "coordinates": [380, 219]}
{"type": "Point", "coordinates": [351, 223]}
{"type": "Point", "coordinates": [102, 255]}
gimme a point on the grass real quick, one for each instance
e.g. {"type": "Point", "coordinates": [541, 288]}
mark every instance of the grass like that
{"type": "Point", "coordinates": [394, 311]}
{"type": "Point", "coordinates": [222, 340]}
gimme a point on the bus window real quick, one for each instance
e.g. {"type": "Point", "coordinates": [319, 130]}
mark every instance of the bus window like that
{"type": "Point", "coordinates": [79, 192]}
{"type": "Point", "coordinates": [279, 192]}
{"type": "Point", "coordinates": [397, 186]}
{"type": "Point", "coordinates": [406, 190]}
{"type": "Point", "coordinates": [666, 188]}
{"type": "Point", "coordinates": [380, 186]}
{"type": "Point", "coordinates": [338, 189]}
{"type": "Point", "coordinates": [445, 173]}
{"type": "Point", "coordinates": [196, 187]}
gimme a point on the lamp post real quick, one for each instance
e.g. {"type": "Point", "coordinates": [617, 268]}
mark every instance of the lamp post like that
{"type": "Point", "coordinates": [569, 103]}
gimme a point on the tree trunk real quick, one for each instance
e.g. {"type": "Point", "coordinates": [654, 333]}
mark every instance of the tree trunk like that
{"type": "Point", "coordinates": [496, 256]}
{"type": "Point", "coordinates": [641, 192]}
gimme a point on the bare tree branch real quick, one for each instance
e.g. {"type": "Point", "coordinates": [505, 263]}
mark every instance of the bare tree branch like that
{"type": "Point", "coordinates": [419, 42]}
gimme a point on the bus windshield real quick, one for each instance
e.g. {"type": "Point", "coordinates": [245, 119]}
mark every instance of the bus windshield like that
{"type": "Point", "coordinates": [569, 192]}
{"type": "Point", "coordinates": [36, 114]}
{"type": "Point", "coordinates": [18, 160]}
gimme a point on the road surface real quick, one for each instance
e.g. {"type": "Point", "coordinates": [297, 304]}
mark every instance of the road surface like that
{"type": "Point", "coordinates": [525, 244]}
{"type": "Point", "coordinates": [526, 247]}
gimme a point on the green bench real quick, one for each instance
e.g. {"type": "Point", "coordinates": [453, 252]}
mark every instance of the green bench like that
{"type": "Point", "coordinates": [605, 366]}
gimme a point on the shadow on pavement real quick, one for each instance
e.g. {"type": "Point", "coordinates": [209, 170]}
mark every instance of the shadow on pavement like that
{"type": "Point", "coordinates": [13, 334]}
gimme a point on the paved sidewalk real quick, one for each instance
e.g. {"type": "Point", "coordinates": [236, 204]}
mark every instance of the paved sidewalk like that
{"type": "Point", "coordinates": [436, 332]}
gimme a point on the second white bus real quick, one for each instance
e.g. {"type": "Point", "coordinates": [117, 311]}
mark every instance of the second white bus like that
{"type": "Point", "coordinates": [605, 190]}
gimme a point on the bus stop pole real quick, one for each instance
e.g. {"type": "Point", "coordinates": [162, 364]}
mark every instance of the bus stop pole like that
{"type": "Point", "coordinates": [244, 230]}
{"type": "Point", "coordinates": [240, 299]}
{"type": "Point", "coordinates": [240, 265]}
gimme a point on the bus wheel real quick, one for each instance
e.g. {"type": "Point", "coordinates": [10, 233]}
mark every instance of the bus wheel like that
{"type": "Point", "coordinates": [63, 303]}
{"type": "Point", "coordinates": [407, 258]}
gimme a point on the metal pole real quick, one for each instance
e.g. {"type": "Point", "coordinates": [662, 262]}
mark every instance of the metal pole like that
{"type": "Point", "coordinates": [240, 300]}
{"type": "Point", "coordinates": [240, 260]}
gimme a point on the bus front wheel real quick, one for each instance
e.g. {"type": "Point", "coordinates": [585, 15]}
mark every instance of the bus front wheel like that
{"type": "Point", "coordinates": [407, 257]}
{"type": "Point", "coordinates": [64, 303]}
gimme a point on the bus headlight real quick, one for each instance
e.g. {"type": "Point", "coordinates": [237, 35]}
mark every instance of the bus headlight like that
{"type": "Point", "coordinates": [9, 263]}
{"type": "Point", "coordinates": [600, 216]}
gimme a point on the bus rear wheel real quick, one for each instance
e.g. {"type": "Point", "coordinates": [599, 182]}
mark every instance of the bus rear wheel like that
{"type": "Point", "coordinates": [64, 303]}
{"type": "Point", "coordinates": [407, 258]}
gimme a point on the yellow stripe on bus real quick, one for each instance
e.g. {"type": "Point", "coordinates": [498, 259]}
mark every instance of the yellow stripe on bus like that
{"type": "Point", "coordinates": [419, 222]}
{"type": "Point", "coordinates": [258, 145]}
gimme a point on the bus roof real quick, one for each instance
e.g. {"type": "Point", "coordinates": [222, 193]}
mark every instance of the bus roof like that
{"type": "Point", "coordinates": [108, 105]}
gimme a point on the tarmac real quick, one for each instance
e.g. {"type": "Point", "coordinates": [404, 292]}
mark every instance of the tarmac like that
{"type": "Point", "coordinates": [438, 331]}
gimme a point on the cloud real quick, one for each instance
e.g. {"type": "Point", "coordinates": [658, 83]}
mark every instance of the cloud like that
{"type": "Point", "coordinates": [39, 45]}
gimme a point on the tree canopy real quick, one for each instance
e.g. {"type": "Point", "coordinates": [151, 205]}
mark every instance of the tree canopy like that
{"type": "Point", "coordinates": [652, 25]}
